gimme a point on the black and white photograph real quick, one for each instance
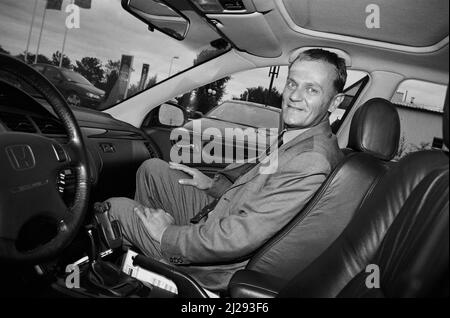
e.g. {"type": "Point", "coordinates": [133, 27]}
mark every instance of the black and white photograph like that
{"type": "Point", "coordinates": [220, 157]}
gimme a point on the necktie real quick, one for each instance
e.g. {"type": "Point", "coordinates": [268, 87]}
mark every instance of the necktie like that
{"type": "Point", "coordinates": [279, 142]}
{"type": "Point", "coordinates": [232, 175]}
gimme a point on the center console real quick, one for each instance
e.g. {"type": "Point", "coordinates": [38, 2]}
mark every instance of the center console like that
{"type": "Point", "coordinates": [104, 271]}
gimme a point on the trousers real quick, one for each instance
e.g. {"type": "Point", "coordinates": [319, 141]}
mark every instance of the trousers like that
{"type": "Point", "coordinates": [157, 187]}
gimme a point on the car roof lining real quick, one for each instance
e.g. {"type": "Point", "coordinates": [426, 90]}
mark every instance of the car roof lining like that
{"type": "Point", "coordinates": [365, 54]}
{"type": "Point", "coordinates": [357, 20]}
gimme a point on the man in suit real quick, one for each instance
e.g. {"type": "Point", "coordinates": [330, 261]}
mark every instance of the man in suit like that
{"type": "Point", "coordinates": [246, 207]}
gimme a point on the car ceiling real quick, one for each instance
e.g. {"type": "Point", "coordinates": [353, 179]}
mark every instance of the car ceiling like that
{"type": "Point", "coordinates": [408, 23]}
{"type": "Point", "coordinates": [412, 38]}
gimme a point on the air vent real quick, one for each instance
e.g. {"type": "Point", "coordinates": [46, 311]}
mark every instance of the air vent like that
{"type": "Point", "coordinates": [17, 122]}
{"type": "Point", "coordinates": [49, 126]}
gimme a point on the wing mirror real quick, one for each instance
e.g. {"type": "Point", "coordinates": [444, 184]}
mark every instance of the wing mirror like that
{"type": "Point", "coordinates": [171, 115]}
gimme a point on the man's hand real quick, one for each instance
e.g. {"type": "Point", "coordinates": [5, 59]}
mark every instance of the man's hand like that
{"type": "Point", "coordinates": [199, 180]}
{"type": "Point", "coordinates": [155, 221]}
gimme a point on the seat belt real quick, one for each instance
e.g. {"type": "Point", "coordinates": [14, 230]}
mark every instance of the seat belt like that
{"type": "Point", "coordinates": [233, 175]}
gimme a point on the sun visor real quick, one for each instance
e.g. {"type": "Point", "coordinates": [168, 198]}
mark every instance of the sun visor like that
{"type": "Point", "coordinates": [249, 32]}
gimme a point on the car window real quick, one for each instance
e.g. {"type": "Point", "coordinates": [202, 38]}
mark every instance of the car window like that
{"type": "Point", "coordinates": [101, 42]}
{"type": "Point", "coordinates": [75, 77]}
{"type": "Point", "coordinates": [263, 86]}
{"type": "Point", "coordinates": [256, 115]}
{"type": "Point", "coordinates": [352, 92]}
{"type": "Point", "coordinates": [419, 104]}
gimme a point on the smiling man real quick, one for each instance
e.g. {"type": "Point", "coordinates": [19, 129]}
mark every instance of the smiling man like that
{"type": "Point", "coordinates": [240, 208]}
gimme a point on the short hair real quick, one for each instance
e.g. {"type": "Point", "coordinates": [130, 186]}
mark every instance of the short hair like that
{"type": "Point", "coordinates": [330, 58]}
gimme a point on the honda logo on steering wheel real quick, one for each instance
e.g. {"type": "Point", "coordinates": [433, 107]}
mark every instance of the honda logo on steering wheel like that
{"type": "Point", "coordinates": [21, 157]}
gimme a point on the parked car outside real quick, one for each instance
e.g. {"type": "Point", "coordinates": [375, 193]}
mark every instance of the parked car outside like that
{"type": "Point", "coordinates": [78, 91]}
{"type": "Point", "coordinates": [236, 116]}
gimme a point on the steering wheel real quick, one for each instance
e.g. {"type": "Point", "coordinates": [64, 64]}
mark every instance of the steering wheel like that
{"type": "Point", "coordinates": [29, 168]}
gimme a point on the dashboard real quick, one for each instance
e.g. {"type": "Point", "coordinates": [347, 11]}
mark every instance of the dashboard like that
{"type": "Point", "coordinates": [115, 148]}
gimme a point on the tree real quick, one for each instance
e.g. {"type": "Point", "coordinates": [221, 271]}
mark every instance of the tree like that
{"type": "Point", "coordinates": [133, 90]}
{"type": "Point", "coordinates": [111, 66]}
{"type": "Point", "coordinates": [30, 58]}
{"type": "Point", "coordinates": [91, 68]}
{"type": "Point", "coordinates": [2, 50]}
{"type": "Point", "coordinates": [261, 95]}
{"type": "Point", "coordinates": [208, 96]}
{"type": "Point", "coordinates": [66, 60]}
{"type": "Point", "coordinates": [111, 76]}
{"type": "Point", "coordinates": [152, 81]}
{"type": "Point", "coordinates": [183, 100]}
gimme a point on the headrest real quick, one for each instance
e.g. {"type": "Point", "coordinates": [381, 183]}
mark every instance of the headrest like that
{"type": "Point", "coordinates": [375, 129]}
{"type": "Point", "coordinates": [445, 119]}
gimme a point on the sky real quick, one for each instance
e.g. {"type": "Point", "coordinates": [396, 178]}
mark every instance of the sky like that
{"type": "Point", "coordinates": [106, 32]}
{"type": "Point", "coordinates": [424, 94]}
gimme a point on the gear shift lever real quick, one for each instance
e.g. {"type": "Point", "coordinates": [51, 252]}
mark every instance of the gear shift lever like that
{"type": "Point", "coordinates": [110, 229]}
{"type": "Point", "coordinates": [92, 250]}
{"type": "Point", "coordinates": [103, 275]}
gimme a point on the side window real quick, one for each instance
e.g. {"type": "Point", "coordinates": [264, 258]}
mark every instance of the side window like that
{"type": "Point", "coordinates": [355, 85]}
{"type": "Point", "coordinates": [420, 106]}
{"type": "Point", "coordinates": [262, 86]}
{"type": "Point", "coordinates": [257, 87]}
{"type": "Point", "coordinates": [151, 120]}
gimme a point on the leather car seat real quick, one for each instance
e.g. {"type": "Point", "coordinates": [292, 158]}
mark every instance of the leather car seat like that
{"type": "Point", "coordinates": [374, 138]}
{"type": "Point", "coordinates": [397, 244]}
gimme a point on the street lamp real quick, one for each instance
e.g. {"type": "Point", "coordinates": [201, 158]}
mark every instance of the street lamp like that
{"type": "Point", "coordinates": [171, 62]}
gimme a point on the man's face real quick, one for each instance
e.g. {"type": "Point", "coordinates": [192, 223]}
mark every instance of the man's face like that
{"type": "Point", "coordinates": [309, 94]}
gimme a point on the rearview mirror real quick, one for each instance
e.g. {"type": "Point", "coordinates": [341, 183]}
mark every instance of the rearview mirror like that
{"type": "Point", "coordinates": [170, 115]}
{"type": "Point", "coordinates": [156, 14]}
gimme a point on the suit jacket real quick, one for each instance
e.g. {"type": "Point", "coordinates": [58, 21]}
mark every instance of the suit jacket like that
{"type": "Point", "coordinates": [252, 209]}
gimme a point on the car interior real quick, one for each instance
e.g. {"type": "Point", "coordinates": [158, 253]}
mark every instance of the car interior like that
{"type": "Point", "coordinates": [382, 210]}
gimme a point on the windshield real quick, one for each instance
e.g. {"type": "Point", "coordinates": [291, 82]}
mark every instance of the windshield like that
{"type": "Point", "coordinates": [246, 114]}
{"type": "Point", "coordinates": [75, 77]}
{"type": "Point", "coordinates": [99, 42]}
